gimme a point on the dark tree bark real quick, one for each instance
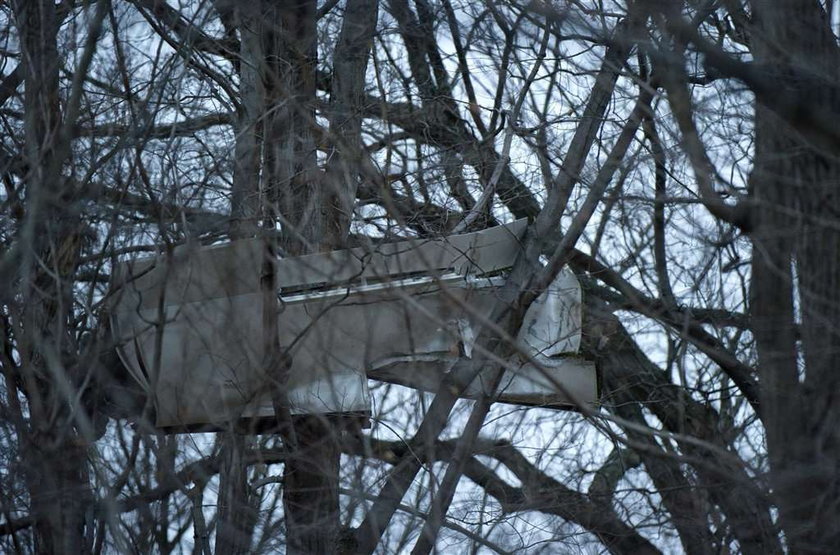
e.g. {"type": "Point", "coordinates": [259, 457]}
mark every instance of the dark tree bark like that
{"type": "Point", "coordinates": [245, 193]}
{"type": "Point", "coordinates": [796, 251]}
{"type": "Point", "coordinates": [56, 442]}
{"type": "Point", "coordinates": [237, 508]}
{"type": "Point", "coordinates": [293, 193]}
{"type": "Point", "coordinates": [296, 199]}
{"type": "Point", "coordinates": [310, 487]}
{"type": "Point", "coordinates": [347, 98]}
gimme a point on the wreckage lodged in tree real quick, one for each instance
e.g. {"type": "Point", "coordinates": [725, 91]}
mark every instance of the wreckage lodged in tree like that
{"type": "Point", "coordinates": [190, 328]}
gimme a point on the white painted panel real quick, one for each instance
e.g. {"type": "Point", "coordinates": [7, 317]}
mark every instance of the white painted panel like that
{"type": "Point", "coordinates": [192, 336]}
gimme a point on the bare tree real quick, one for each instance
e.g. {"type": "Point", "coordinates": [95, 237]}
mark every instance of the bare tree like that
{"type": "Point", "coordinates": [679, 157]}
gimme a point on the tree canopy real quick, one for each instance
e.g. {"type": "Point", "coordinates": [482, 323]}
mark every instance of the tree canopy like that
{"type": "Point", "coordinates": [680, 157]}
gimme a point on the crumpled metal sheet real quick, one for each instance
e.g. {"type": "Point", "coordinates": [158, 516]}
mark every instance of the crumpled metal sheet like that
{"type": "Point", "coordinates": [190, 326]}
{"type": "Point", "coordinates": [552, 323]}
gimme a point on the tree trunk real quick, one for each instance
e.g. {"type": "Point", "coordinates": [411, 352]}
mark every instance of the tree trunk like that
{"type": "Point", "coordinates": [238, 508]}
{"type": "Point", "coordinates": [350, 60]}
{"type": "Point", "coordinates": [796, 267]}
{"type": "Point", "coordinates": [245, 193]}
{"type": "Point", "coordinates": [295, 199]}
{"type": "Point", "coordinates": [55, 449]}
{"type": "Point", "coordinates": [59, 491]}
{"type": "Point", "coordinates": [310, 480]}
{"type": "Point", "coordinates": [237, 513]}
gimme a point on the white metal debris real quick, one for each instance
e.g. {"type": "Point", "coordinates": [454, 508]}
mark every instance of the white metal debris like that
{"type": "Point", "coordinates": [190, 326]}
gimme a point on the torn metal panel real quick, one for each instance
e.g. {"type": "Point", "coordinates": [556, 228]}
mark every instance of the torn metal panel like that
{"type": "Point", "coordinates": [552, 323]}
{"type": "Point", "coordinates": [477, 253]}
{"type": "Point", "coordinates": [190, 326]}
{"type": "Point", "coordinates": [192, 273]}
{"type": "Point", "coordinates": [558, 382]}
